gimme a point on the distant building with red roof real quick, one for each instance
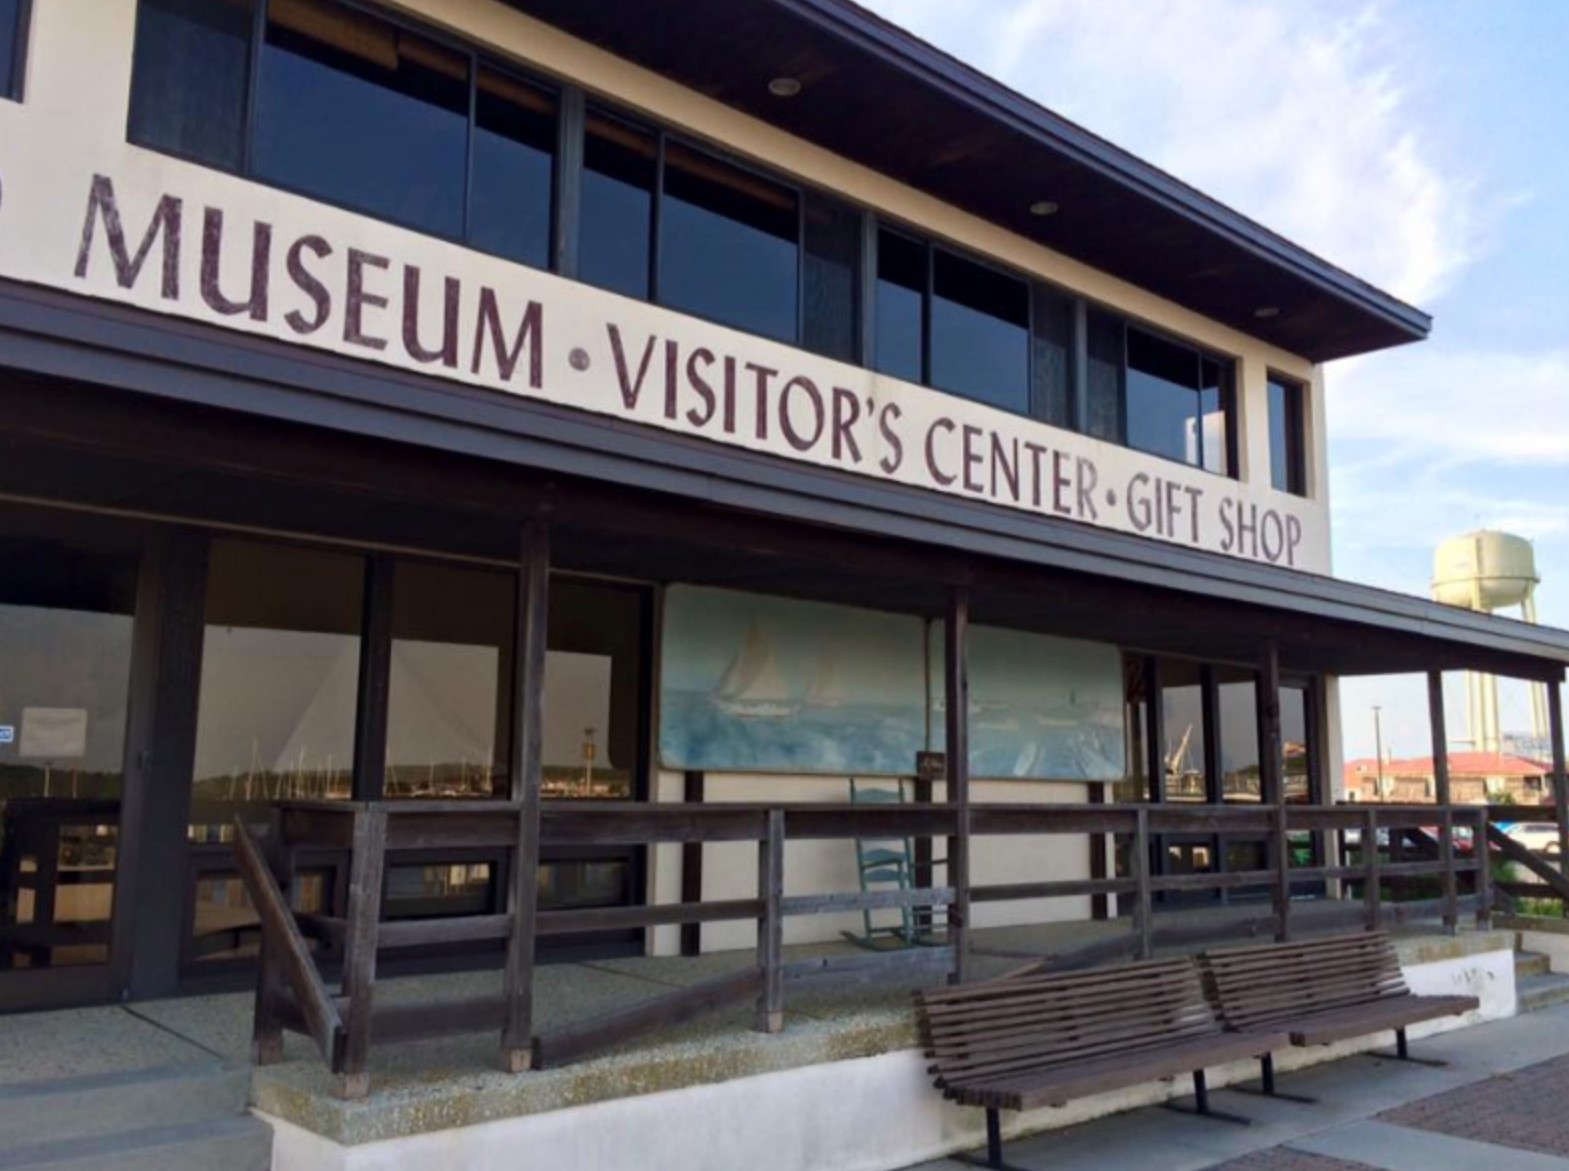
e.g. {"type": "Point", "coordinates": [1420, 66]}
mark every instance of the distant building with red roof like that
{"type": "Point", "coordinates": [1475, 778]}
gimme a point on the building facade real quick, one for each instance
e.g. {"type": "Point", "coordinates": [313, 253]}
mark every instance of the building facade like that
{"type": "Point", "coordinates": [783, 324]}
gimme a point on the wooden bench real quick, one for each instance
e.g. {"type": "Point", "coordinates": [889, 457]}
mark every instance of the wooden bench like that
{"type": "Point", "coordinates": [1321, 991]}
{"type": "Point", "coordinates": [1028, 1041]}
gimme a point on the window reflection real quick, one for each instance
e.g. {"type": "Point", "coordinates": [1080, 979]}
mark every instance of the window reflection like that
{"type": "Point", "coordinates": [513, 169]}
{"type": "Point", "coordinates": [280, 677]}
{"type": "Point", "coordinates": [1240, 776]}
{"type": "Point", "coordinates": [980, 325]}
{"type": "Point", "coordinates": [65, 631]}
{"type": "Point", "coordinates": [593, 691]}
{"type": "Point", "coordinates": [1182, 715]}
{"type": "Point", "coordinates": [192, 66]}
{"type": "Point", "coordinates": [1296, 745]}
{"type": "Point", "coordinates": [901, 296]}
{"type": "Point", "coordinates": [832, 275]}
{"type": "Point", "coordinates": [363, 113]}
{"type": "Point", "coordinates": [728, 245]}
{"type": "Point", "coordinates": [450, 700]}
{"type": "Point", "coordinates": [617, 213]}
{"type": "Point", "coordinates": [1287, 457]}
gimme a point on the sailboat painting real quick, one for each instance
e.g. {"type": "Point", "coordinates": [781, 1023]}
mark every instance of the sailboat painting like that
{"type": "Point", "coordinates": [1041, 708]}
{"type": "Point", "coordinates": [751, 683]}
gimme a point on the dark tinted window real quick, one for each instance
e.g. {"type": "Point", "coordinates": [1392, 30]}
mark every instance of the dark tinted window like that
{"type": "Point", "coordinates": [980, 333]}
{"type": "Point", "coordinates": [617, 211]}
{"type": "Point", "coordinates": [1105, 417]}
{"type": "Point", "coordinates": [513, 169]}
{"type": "Point", "coordinates": [1287, 453]}
{"type": "Point", "coordinates": [1162, 398]}
{"type": "Point", "coordinates": [1052, 370]}
{"type": "Point", "coordinates": [728, 247]}
{"type": "Point", "coordinates": [1214, 417]}
{"type": "Point", "coordinates": [363, 113]}
{"type": "Point", "coordinates": [10, 41]}
{"type": "Point", "coordinates": [832, 276]}
{"type": "Point", "coordinates": [1296, 746]}
{"type": "Point", "coordinates": [191, 71]}
{"type": "Point", "coordinates": [901, 292]}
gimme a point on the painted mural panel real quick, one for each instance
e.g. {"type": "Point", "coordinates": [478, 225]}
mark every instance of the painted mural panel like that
{"type": "Point", "coordinates": [751, 683]}
{"type": "Point", "coordinates": [1041, 708]}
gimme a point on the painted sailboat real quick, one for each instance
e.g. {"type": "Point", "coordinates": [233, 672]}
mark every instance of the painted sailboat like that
{"type": "Point", "coordinates": [753, 687]}
{"type": "Point", "coordinates": [828, 690]}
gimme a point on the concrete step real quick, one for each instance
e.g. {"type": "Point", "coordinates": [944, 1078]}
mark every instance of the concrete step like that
{"type": "Point", "coordinates": [1531, 963]}
{"type": "Point", "coordinates": [85, 1107]}
{"type": "Point", "coordinates": [241, 1143]}
{"type": "Point", "coordinates": [1543, 991]}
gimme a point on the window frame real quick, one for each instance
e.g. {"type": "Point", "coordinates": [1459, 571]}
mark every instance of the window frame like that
{"type": "Point", "coordinates": [1035, 289]}
{"type": "Point", "coordinates": [1295, 396]}
{"type": "Point", "coordinates": [15, 92]}
{"type": "Point", "coordinates": [477, 59]}
{"type": "Point", "coordinates": [1201, 354]}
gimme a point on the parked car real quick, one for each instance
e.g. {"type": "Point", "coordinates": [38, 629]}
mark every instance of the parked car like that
{"type": "Point", "coordinates": [1540, 837]}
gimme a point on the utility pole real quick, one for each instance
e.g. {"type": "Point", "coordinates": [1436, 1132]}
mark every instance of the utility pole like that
{"type": "Point", "coordinates": [1378, 745]}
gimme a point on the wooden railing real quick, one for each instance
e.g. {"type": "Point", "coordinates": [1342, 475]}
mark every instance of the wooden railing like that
{"type": "Point", "coordinates": [1362, 883]}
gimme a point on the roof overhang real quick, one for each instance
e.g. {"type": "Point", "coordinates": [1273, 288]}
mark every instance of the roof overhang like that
{"type": "Point", "coordinates": [664, 502]}
{"type": "Point", "coordinates": [879, 96]}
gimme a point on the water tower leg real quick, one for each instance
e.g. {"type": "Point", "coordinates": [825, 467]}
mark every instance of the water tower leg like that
{"type": "Point", "coordinates": [1539, 729]}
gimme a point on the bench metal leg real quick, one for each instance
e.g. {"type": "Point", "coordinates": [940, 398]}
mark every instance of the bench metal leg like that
{"type": "Point", "coordinates": [992, 1160]}
{"type": "Point", "coordinates": [1201, 1105]}
{"type": "Point", "coordinates": [1266, 1088]}
{"type": "Point", "coordinates": [1403, 1053]}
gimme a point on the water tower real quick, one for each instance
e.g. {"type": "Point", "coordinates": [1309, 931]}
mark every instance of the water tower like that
{"type": "Point", "coordinates": [1490, 571]}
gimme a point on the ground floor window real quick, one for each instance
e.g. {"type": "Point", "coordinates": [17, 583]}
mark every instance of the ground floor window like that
{"type": "Point", "coordinates": [65, 626]}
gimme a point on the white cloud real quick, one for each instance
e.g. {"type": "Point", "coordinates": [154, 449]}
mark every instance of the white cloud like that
{"type": "Point", "coordinates": [1456, 407]}
{"type": "Point", "coordinates": [1298, 115]}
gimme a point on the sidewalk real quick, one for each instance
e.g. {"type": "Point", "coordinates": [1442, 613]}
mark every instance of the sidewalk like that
{"type": "Point", "coordinates": [1501, 1105]}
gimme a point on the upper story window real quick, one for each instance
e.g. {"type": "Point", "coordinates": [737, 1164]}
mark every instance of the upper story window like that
{"type": "Point", "coordinates": [353, 110]}
{"type": "Point", "coordinates": [729, 245]}
{"type": "Point", "coordinates": [13, 42]}
{"type": "Point", "coordinates": [333, 101]}
{"type": "Point", "coordinates": [967, 327]}
{"type": "Point", "coordinates": [1157, 395]}
{"type": "Point", "coordinates": [662, 220]}
{"type": "Point", "coordinates": [1287, 436]}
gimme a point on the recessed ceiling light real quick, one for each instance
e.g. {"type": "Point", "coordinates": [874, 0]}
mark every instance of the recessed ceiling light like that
{"type": "Point", "coordinates": [1043, 207]}
{"type": "Point", "coordinates": [784, 87]}
{"type": "Point", "coordinates": [1265, 312]}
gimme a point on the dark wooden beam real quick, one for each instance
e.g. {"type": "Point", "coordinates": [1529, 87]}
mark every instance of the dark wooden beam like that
{"type": "Point", "coordinates": [1560, 781]}
{"type": "Point", "coordinates": [1443, 795]}
{"type": "Point", "coordinates": [160, 756]}
{"type": "Point", "coordinates": [692, 869]}
{"type": "Point", "coordinates": [375, 686]}
{"type": "Point", "coordinates": [533, 611]}
{"type": "Point", "coordinates": [956, 691]}
{"type": "Point", "coordinates": [1272, 783]}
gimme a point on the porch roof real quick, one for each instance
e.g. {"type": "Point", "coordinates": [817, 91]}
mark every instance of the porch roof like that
{"type": "Point", "coordinates": [231, 429]}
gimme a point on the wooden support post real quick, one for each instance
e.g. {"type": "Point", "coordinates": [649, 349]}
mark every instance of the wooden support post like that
{"type": "Point", "coordinates": [1142, 906]}
{"type": "Point", "coordinates": [1555, 731]}
{"type": "Point", "coordinates": [770, 925]}
{"type": "Point", "coordinates": [956, 690]}
{"type": "Point", "coordinates": [1372, 892]}
{"type": "Point", "coordinates": [1443, 794]}
{"type": "Point", "coordinates": [1481, 851]}
{"type": "Point", "coordinates": [533, 612]}
{"type": "Point", "coordinates": [367, 870]}
{"type": "Point", "coordinates": [692, 868]}
{"type": "Point", "coordinates": [1272, 783]}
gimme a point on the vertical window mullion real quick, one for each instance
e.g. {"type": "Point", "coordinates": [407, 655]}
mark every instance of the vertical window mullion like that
{"type": "Point", "coordinates": [566, 214]}
{"type": "Point", "coordinates": [800, 266]}
{"type": "Point", "coordinates": [253, 87]}
{"type": "Point", "coordinates": [866, 341]}
{"type": "Point", "coordinates": [656, 218]}
{"type": "Point", "coordinates": [468, 149]}
{"type": "Point", "coordinates": [926, 314]}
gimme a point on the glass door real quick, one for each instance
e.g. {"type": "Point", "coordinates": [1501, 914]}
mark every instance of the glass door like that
{"type": "Point", "coordinates": [65, 663]}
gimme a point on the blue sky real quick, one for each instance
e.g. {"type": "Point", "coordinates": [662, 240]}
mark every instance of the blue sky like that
{"type": "Point", "coordinates": [1416, 143]}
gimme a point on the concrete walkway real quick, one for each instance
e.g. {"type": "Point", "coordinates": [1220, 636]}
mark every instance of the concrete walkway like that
{"type": "Point", "coordinates": [1498, 1106]}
